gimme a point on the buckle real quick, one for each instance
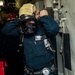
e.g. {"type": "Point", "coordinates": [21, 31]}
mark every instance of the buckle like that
{"type": "Point", "coordinates": [46, 71]}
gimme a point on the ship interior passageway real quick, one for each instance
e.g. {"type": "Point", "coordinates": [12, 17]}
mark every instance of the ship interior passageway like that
{"type": "Point", "coordinates": [63, 13]}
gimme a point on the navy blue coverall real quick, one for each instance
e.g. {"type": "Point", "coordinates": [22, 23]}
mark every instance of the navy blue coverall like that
{"type": "Point", "coordinates": [36, 55]}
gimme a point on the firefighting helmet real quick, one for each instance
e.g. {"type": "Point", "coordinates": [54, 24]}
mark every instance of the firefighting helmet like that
{"type": "Point", "coordinates": [27, 9]}
{"type": "Point", "coordinates": [11, 16]}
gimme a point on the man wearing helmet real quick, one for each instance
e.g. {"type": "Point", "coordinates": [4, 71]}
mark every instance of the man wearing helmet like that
{"type": "Point", "coordinates": [33, 26]}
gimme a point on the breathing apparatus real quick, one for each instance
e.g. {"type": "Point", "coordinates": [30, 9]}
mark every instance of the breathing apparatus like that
{"type": "Point", "coordinates": [27, 15]}
{"type": "Point", "coordinates": [26, 25]}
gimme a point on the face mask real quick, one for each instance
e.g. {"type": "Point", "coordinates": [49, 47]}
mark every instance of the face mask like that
{"type": "Point", "coordinates": [28, 27]}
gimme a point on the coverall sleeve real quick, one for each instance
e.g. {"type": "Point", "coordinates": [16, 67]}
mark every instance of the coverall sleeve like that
{"type": "Point", "coordinates": [11, 28]}
{"type": "Point", "coordinates": [9, 38]}
{"type": "Point", "coordinates": [50, 25]}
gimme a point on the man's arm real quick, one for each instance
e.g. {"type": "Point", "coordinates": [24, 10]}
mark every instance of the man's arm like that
{"type": "Point", "coordinates": [9, 38]}
{"type": "Point", "coordinates": [50, 25]}
{"type": "Point", "coordinates": [11, 28]}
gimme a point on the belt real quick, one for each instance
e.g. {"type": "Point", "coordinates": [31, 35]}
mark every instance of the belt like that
{"type": "Point", "coordinates": [44, 71]}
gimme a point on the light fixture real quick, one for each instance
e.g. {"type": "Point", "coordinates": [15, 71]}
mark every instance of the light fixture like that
{"type": "Point", "coordinates": [1, 3]}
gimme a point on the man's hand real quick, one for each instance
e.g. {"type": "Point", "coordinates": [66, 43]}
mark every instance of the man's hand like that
{"type": "Point", "coordinates": [43, 13]}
